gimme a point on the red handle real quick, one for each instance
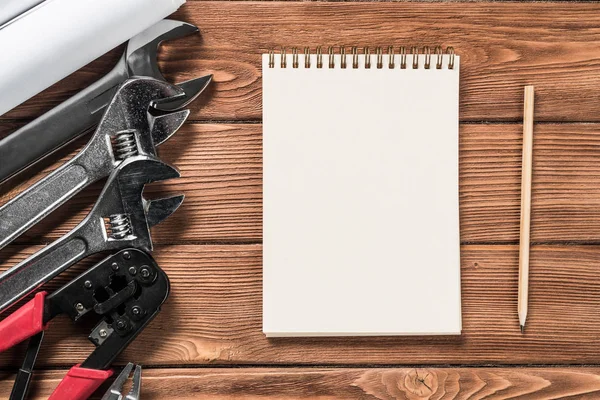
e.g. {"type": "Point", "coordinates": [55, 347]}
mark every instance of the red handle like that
{"type": "Point", "coordinates": [23, 323]}
{"type": "Point", "coordinates": [79, 384]}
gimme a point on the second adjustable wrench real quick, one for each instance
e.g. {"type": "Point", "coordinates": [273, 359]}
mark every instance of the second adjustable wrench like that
{"type": "Point", "coordinates": [121, 218]}
{"type": "Point", "coordinates": [126, 129]}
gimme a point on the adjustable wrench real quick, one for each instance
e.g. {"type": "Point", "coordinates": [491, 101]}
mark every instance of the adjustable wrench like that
{"type": "Point", "coordinates": [120, 218]}
{"type": "Point", "coordinates": [127, 129]}
{"type": "Point", "coordinates": [80, 113]}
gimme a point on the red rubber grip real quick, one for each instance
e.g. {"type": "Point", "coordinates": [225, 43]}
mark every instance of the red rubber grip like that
{"type": "Point", "coordinates": [79, 383]}
{"type": "Point", "coordinates": [23, 323]}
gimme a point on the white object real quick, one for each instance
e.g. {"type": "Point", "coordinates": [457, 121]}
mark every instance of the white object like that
{"type": "Point", "coordinates": [10, 9]}
{"type": "Point", "coordinates": [57, 38]}
{"type": "Point", "coordinates": [361, 213]}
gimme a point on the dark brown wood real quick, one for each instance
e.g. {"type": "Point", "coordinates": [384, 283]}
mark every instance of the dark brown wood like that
{"type": "Point", "coordinates": [214, 315]}
{"type": "Point", "coordinates": [503, 46]}
{"type": "Point", "coordinates": [221, 166]}
{"type": "Point", "coordinates": [350, 384]}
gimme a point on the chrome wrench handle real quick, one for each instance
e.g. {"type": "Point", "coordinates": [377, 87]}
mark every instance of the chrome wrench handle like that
{"type": "Point", "coordinates": [46, 195]}
{"type": "Point", "coordinates": [30, 274]}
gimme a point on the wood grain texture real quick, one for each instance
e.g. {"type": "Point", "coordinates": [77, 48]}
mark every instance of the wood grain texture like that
{"type": "Point", "coordinates": [213, 315]}
{"type": "Point", "coordinates": [221, 166]}
{"type": "Point", "coordinates": [502, 47]}
{"type": "Point", "coordinates": [352, 384]}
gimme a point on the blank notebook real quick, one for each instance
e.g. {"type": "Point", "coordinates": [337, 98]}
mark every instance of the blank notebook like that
{"type": "Point", "coordinates": [361, 217]}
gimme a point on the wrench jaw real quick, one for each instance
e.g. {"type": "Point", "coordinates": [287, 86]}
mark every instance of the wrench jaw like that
{"type": "Point", "coordinates": [127, 127]}
{"type": "Point", "coordinates": [141, 59]}
{"type": "Point", "coordinates": [164, 126]}
{"type": "Point", "coordinates": [142, 49]}
{"type": "Point", "coordinates": [158, 210]}
{"type": "Point", "coordinates": [192, 88]}
{"type": "Point", "coordinates": [129, 214]}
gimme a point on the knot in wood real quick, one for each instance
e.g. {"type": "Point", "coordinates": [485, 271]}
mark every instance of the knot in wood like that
{"type": "Point", "coordinates": [421, 383]}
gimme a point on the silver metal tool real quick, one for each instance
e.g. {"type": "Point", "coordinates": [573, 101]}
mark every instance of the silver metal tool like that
{"type": "Point", "coordinates": [115, 390]}
{"type": "Point", "coordinates": [127, 129]}
{"type": "Point", "coordinates": [120, 218]}
{"type": "Point", "coordinates": [81, 113]}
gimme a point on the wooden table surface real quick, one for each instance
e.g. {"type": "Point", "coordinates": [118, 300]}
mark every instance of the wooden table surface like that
{"type": "Point", "coordinates": [207, 342]}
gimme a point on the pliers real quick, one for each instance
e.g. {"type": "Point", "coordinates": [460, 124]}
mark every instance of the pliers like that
{"type": "Point", "coordinates": [114, 392]}
{"type": "Point", "coordinates": [124, 292]}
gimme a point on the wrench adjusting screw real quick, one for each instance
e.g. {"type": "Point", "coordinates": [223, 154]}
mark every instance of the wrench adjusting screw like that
{"type": "Point", "coordinates": [120, 228]}
{"type": "Point", "coordinates": [124, 144]}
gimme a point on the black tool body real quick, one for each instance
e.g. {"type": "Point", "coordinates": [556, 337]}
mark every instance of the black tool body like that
{"type": "Point", "coordinates": [123, 293]}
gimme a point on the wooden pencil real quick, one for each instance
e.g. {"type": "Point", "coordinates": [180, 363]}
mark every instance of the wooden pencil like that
{"type": "Point", "coordinates": [525, 206]}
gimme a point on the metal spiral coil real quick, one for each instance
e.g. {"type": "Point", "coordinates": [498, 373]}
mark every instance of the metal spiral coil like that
{"type": "Point", "coordinates": [331, 52]}
{"type": "Point", "coordinates": [415, 53]}
{"type": "Point", "coordinates": [120, 226]}
{"type": "Point", "coordinates": [435, 57]}
{"type": "Point", "coordinates": [427, 52]}
{"type": "Point", "coordinates": [125, 144]}
{"type": "Point", "coordinates": [295, 57]}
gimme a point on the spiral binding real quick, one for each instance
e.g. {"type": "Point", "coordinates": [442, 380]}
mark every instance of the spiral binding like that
{"type": "Point", "coordinates": [437, 56]}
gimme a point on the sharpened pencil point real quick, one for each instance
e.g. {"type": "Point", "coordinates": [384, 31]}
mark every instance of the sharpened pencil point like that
{"type": "Point", "coordinates": [522, 328]}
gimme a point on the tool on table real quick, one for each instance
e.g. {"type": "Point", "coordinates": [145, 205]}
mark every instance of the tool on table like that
{"type": "Point", "coordinates": [120, 218]}
{"type": "Point", "coordinates": [124, 292]}
{"type": "Point", "coordinates": [114, 392]}
{"type": "Point", "coordinates": [75, 116]}
{"type": "Point", "coordinates": [525, 206]}
{"type": "Point", "coordinates": [127, 129]}
{"type": "Point", "coordinates": [60, 36]}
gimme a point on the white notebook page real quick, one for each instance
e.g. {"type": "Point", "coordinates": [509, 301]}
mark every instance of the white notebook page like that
{"type": "Point", "coordinates": [361, 215]}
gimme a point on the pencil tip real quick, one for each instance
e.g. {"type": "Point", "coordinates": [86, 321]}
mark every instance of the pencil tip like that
{"type": "Point", "coordinates": [522, 328]}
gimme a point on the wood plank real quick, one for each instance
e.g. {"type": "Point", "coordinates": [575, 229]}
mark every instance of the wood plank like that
{"type": "Point", "coordinates": [213, 315]}
{"type": "Point", "coordinates": [502, 48]}
{"type": "Point", "coordinates": [222, 179]}
{"type": "Point", "coordinates": [347, 384]}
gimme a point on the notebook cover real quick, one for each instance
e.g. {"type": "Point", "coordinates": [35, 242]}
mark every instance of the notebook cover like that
{"type": "Point", "coordinates": [361, 213]}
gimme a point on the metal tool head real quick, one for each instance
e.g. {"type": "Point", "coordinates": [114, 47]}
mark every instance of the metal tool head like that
{"type": "Point", "coordinates": [141, 57]}
{"type": "Point", "coordinates": [192, 88]}
{"type": "Point", "coordinates": [142, 49]}
{"type": "Point", "coordinates": [129, 214]}
{"type": "Point", "coordinates": [127, 124]}
{"type": "Point", "coordinates": [114, 392]}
